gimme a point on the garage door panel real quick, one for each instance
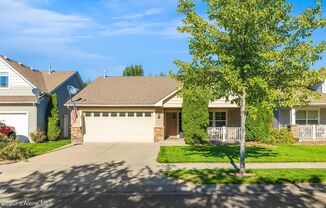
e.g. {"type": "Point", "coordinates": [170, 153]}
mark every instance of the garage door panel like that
{"type": "Point", "coordinates": [17, 120]}
{"type": "Point", "coordinates": [119, 129]}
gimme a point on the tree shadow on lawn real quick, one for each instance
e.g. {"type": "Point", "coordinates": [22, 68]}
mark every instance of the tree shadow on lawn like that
{"type": "Point", "coordinates": [232, 152]}
{"type": "Point", "coordinates": [114, 184]}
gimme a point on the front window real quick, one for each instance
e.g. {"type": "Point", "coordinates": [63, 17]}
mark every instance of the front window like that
{"type": "Point", "coordinates": [217, 119]}
{"type": "Point", "coordinates": [220, 119]}
{"type": "Point", "coordinates": [4, 80]}
{"type": "Point", "coordinates": [304, 117]}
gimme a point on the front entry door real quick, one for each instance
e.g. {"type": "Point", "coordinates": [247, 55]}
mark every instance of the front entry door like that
{"type": "Point", "coordinates": [171, 124]}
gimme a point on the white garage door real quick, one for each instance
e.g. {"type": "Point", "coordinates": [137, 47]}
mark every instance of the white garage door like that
{"type": "Point", "coordinates": [17, 120]}
{"type": "Point", "coordinates": [119, 127]}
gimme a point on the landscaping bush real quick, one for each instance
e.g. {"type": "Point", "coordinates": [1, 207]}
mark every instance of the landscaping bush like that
{"type": "Point", "coordinates": [38, 136]}
{"type": "Point", "coordinates": [14, 151]}
{"type": "Point", "coordinates": [259, 124]}
{"type": "Point", "coordinates": [281, 136]}
{"type": "Point", "coordinates": [4, 141]}
{"type": "Point", "coordinates": [53, 128]}
{"type": "Point", "coordinates": [195, 116]}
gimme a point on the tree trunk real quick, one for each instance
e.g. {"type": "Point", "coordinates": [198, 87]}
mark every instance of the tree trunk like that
{"type": "Point", "coordinates": [243, 135]}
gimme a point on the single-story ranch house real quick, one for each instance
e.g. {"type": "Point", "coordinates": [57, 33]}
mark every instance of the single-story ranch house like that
{"type": "Point", "coordinates": [148, 109]}
{"type": "Point", "coordinates": [25, 92]}
{"type": "Point", "coordinates": [137, 109]}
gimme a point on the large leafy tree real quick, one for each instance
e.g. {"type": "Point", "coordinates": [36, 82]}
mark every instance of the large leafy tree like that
{"type": "Point", "coordinates": [251, 52]}
{"type": "Point", "coordinates": [133, 70]}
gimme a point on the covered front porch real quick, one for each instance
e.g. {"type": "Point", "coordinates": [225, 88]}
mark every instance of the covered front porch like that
{"type": "Point", "coordinates": [224, 124]}
{"type": "Point", "coordinates": [307, 123]}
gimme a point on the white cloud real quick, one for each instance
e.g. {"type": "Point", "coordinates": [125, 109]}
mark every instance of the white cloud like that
{"type": "Point", "coordinates": [26, 26]}
{"type": "Point", "coordinates": [42, 31]}
{"type": "Point", "coordinates": [149, 12]}
{"type": "Point", "coordinates": [161, 29]}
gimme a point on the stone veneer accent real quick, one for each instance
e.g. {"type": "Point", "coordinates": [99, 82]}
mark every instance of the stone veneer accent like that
{"type": "Point", "coordinates": [76, 135]}
{"type": "Point", "coordinates": [158, 134]}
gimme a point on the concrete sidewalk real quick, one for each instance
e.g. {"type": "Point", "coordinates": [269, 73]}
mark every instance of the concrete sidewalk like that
{"type": "Point", "coordinates": [174, 166]}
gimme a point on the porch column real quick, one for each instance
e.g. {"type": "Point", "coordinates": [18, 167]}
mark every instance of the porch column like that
{"type": "Point", "coordinates": [292, 116]}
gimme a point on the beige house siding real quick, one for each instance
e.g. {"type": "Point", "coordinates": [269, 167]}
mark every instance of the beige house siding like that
{"type": "Point", "coordinates": [176, 102]}
{"type": "Point", "coordinates": [17, 85]}
{"type": "Point", "coordinates": [159, 117]}
{"type": "Point", "coordinates": [234, 119]}
{"type": "Point", "coordinates": [322, 114]}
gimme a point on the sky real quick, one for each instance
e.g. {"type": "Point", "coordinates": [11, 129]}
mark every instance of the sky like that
{"type": "Point", "coordinates": [96, 35]}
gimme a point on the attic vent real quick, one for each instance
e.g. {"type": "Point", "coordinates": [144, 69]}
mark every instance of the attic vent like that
{"type": "Point", "coordinates": [6, 57]}
{"type": "Point", "coordinates": [20, 64]}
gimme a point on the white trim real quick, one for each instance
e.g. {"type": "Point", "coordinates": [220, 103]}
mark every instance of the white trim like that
{"type": "Point", "coordinates": [5, 62]}
{"type": "Point", "coordinates": [214, 119]}
{"type": "Point", "coordinates": [293, 116]}
{"type": "Point", "coordinates": [308, 109]}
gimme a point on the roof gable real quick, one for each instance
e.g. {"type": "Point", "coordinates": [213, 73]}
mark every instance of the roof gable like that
{"type": "Point", "coordinates": [43, 80]}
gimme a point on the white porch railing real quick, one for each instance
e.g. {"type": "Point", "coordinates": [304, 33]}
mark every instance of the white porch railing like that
{"type": "Point", "coordinates": [311, 132]}
{"type": "Point", "coordinates": [224, 134]}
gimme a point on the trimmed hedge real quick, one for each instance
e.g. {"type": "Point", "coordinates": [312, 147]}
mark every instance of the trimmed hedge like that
{"type": "Point", "coordinates": [259, 124]}
{"type": "Point", "coordinates": [53, 128]}
{"type": "Point", "coordinates": [281, 136]}
{"type": "Point", "coordinates": [195, 116]}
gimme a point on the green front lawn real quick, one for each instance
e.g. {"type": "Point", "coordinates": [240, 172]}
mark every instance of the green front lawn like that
{"type": "Point", "coordinates": [229, 153]}
{"type": "Point", "coordinates": [263, 176]}
{"type": "Point", "coordinates": [42, 148]}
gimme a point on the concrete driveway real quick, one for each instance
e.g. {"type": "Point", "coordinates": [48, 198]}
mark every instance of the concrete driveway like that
{"type": "Point", "coordinates": [126, 175]}
{"type": "Point", "coordinates": [134, 156]}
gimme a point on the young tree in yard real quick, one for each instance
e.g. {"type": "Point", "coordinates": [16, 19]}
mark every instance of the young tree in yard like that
{"type": "Point", "coordinates": [53, 117]}
{"type": "Point", "coordinates": [251, 52]}
{"type": "Point", "coordinates": [133, 70]}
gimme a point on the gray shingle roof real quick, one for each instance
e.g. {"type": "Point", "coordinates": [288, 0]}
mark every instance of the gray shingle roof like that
{"type": "Point", "coordinates": [122, 91]}
{"type": "Point", "coordinates": [41, 79]}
